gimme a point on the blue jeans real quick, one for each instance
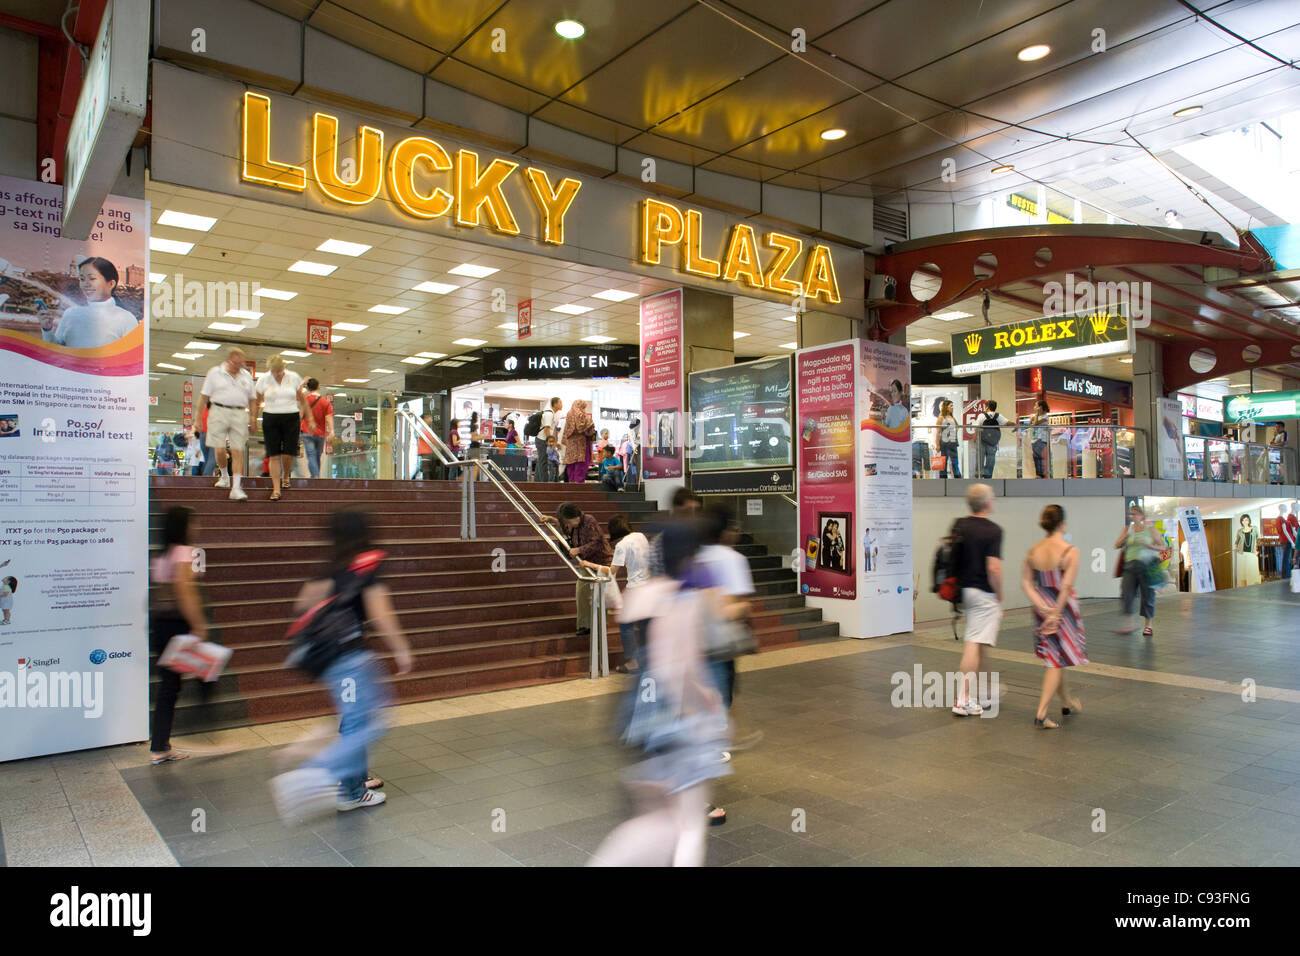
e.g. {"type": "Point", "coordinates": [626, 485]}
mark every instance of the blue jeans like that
{"type": "Point", "coordinates": [1133, 584]}
{"type": "Point", "coordinates": [313, 444]}
{"type": "Point", "coordinates": [359, 696]}
{"type": "Point", "coordinates": [949, 451]}
{"type": "Point", "coordinates": [1042, 463]}
{"type": "Point", "coordinates": [546, 470]}
{"type": "Point", "coordinates": [209, 456]}
{"type": "Point", "coordinates": [632, 635]}
{"type": "Point", "coordinates": [1287, 554]}
{"type": "Point", "coordinates": [724, 677]}
{"type": "Point", "coordinates": [988, 459]}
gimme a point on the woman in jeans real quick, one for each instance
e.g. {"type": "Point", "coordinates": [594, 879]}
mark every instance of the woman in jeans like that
{"type": "Point", "coordinates": [1040, 436]}
{"type": "Point", "coordinates": [631, 551]}
{"type": "Point", "coordinates": [1142, 544]}
{"type": "Point", "coordinates": [946, 440]}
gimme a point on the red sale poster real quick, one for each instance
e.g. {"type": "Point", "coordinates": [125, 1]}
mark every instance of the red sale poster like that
{"type": "Point", "coordinates": [826, 426]}
{"type": "Point", "coordinates": [662, 394]}
{"type": "Point", "coordinates": [318, 335]}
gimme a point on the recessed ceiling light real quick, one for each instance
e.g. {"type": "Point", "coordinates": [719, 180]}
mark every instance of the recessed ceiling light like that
{"type": "Point", "coordinates": [243, 314]}
{"type": "Point", "coordinates": [739, 335]}
{"type": "Point", "coordinates": [417, 361]}
{"type": "Point", "coordinates": [205, 346]}
{"type": "Point", "coordinates": [431, 355]}
{"type": "Point", "coordinates": [158, 244]}
{"type": "Point", "coordinates": [312, 268]}
{"type": "Point", "coordinates": [295, 352]}
{"type": "Point", "coordinates": [276, 294]}
{"type": "Point", "coordinates": [472, 343]}
{"type": "Point", "coordinates": [381, 371]}
{"type": "Point", "coordinates": [952, 316]}
{"type": "Point", "coordinates": [337, 338]}
{"type": "Point", "coordinates": [386, 310]}
{"type": "Point", "coordinates": [1002, 169]}
{"type": "Point", "coordinates": [288, 361]}
{"type": "Point", "coordinates": [356, 381]}
{"type": "Point", "coordinates": [790, 318]}
{"type": "Point", "coordinates": [175, 368]}
{"type": "Point", "coordinates": [188, 356]}
{"type": "Point", "coordinates": [1188, 111]}
{"type": "Point", "coordinates": [184, 220]}
{"type": "Point", "coordinates": [790, 345]}
{"type": "Point", "coordinates": [1125, 361]}
{"type": "Point", "coordinates": [599, 339]}
{"type": "Point", "coordinates": [350, 327]}
{"type": "Point", "coordinates": [834, 134]}
{"type": "Point", "coordinates": [226, 327]}
{"type": "Point", "coordinates": [437, 288]}
{"type": "Point", "coordinates": [1031, 53]}
{"type": "Point", "coordinates": [341, 248]}
{"type": "Point", "coordinates": [474, 272]}
{"type": "Point", "coordinates": [614, 295]}
{"type": "Point", "coordinates": [570, 29]}
{"type": "Point", "coordinates": [920, 342]}
{"type": "Point", "coordinates": [508, 325]}
{"type": "Point", "coordinates": [571, 309]}
{"type": "Point", "coordinates": [156, 277]}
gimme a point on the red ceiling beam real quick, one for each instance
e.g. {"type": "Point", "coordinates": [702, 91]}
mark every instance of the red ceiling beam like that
{"type": "Point", "coordinates": [1229, 357]}
{"type": "Point", "coordinates": [1222, 310]}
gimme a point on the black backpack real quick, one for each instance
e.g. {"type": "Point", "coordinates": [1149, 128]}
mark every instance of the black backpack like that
{"type": "Point", "coordinates": [946, 572]}
{"type": "Point", "coordinates": [990, 435]}
{"type": "Point", "coordinates": [533, 427]}
{"type": "Point", "coordinates": [324, 632]}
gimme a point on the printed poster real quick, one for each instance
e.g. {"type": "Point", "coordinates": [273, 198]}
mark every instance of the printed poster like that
{"type": "Point", "coordinates": [1169, 436]}
{"type": "Point", "coordinates": [825, 439]}
{"type": "Point", "coordinates": [662, 386]}
{"type": "Point", "coordinates": [884, 462]}
{"type": "Point", "coordinates": [1200, 579]}
{"type": "Point", "coordinates": [74, 403]}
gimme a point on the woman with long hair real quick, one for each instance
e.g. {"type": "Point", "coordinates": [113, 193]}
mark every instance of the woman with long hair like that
{"type": "Point", "coordinates": [1040, 438]}
{"type": "Point", "coordinates": [1047, 578]}
{"type": "Point", "coordinates": [1245, 554]}
{"type": "Point", "coordinates": [579, 432]}
{"type": "Point", "coordinates": [945, 439]}
{"type": "Point", "coordinates": [101, 320]}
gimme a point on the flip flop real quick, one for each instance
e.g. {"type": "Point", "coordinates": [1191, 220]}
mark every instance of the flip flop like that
{"type": "Point", "coordinates": [164, 758]}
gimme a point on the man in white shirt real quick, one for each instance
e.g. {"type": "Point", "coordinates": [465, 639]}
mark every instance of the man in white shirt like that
{"type": "Point", "coordinates": [232, 414]}
{"type": "Point", "coordinates": [547, 436]}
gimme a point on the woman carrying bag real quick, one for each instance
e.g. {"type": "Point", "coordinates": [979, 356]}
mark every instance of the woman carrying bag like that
{"type": "Point", "coordinates": [946, 439]}
{"type": "Point", "coordinates": [1138, 560]}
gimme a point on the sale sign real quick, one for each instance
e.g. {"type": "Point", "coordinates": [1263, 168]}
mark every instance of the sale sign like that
{"type": "Point", "coordinates": [525, 316]}
{"type": "Point", "coordinates": [318, 335]}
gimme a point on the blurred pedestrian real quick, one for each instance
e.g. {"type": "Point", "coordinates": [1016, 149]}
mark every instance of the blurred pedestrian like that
{"type": "Point", "coordinates": [980, 580]}
{"type": "Point", "coordinates": [631, 551]}
{"type": "Point", "coordinates": [1141, 552]}
{"type": "Point", "coordinates": [1048, 577]}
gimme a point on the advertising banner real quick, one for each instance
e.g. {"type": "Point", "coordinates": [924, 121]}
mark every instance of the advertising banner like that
{"type": "Point", "coordinates": [740, 416]}
{"type": "Point", "coordinates": [1261, 406]}
{"type": "Point", "coordinates": [318, 335]}
{"type": "Point", "coordinates": [884, 462]}
{"type": "Point", "coordinates": [826, 421]}
{"type": "Point", "coordinates": [1200, 580]}
{"type": "Point", "coordinates": [662, 385]}
{"type": "Point", "coordinates": [524, 317]}
{"type": "Point", "coordinates": [74, 402]}
{"type": "Point", "coordinates": [1058, 338]}
{"type": "Point", "coordinates": [1169, 437]}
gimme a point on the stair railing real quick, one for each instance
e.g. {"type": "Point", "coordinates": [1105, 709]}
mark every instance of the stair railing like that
{"type": "Point", "coordinates": [529, 511]}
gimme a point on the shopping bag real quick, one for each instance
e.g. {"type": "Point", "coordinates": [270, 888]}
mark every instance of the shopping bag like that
{"type": "Point", "coordinates": [186, 654]}
{"type": "Point", "coordinates": [613, 597]}
{"type": "Point", "coordinates": [938, 462]}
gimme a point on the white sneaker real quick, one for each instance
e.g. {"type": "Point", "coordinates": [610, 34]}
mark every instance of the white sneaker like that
{"type": "Point", "coordinates": [223, 481]}
{"type": "Point", "coordinates": [238, 494]}
{"type": "Point", "coordinates": [371, 798]}
{"type": "Point", "coordinates": [971, 709]}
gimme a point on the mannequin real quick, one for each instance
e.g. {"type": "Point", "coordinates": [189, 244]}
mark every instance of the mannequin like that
{"type": "Point", "coordinates": [1245, 557]}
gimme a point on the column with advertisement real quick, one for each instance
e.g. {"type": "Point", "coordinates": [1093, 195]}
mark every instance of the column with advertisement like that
{"type": "Point", "coordinates": [662, 382]}
{"type": "Point", "coordinates": [885, 582]}
{"type": "Point", "coordinates": [74, 656]}
{"type": "Point", "coordinates": [1201, 577]}
{"type": "Point", "coordinates": [1169, 435]}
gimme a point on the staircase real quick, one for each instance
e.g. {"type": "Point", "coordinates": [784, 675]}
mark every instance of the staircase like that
{"type": "Point", "coordinates": [490, 613]}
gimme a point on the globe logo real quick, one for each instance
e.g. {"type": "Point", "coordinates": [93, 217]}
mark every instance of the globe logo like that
{"type": "Point", "coordinates": [512, 363]}
{"type": "Point", "coordinates": [97, 656]}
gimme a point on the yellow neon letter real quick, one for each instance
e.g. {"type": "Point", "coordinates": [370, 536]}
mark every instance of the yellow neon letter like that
{"type": "Point", "coordinates": [554, 204]}
{"type": "Point", "coordinates": [401, 177]}
{"type": "Point", "coordinates": [819, 275]}
{"type": "Point", "coordinates": [661, 223]}
{"type": "Point", "coordinates": [788, 248]}
{"type": "Point", "coordinates": [474, 191]}
{"type": "Point", "coordinates": [742, 257]}
{"type": "Point", "coordinates": [324, 162]}
{"type": "Point", "coordinates": [259, 167]}
{"type": "Point", "coordinates": [692, 260]}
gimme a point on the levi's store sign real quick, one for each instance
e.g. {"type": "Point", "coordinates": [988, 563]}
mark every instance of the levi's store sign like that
{"type": "Point", "coordinates": [1062, 382]}
{"type": "Point", "coordinates": [1059, 337]}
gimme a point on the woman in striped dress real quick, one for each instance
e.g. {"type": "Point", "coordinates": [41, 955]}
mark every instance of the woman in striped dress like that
{"type": "Point", "coordinates": [1048, 580]}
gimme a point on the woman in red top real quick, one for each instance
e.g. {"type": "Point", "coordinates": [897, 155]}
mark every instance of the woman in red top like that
{"type": "Point", "coordinates": [317, 426]}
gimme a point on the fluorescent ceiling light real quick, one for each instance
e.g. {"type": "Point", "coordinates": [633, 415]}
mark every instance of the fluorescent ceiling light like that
{"type": "Point", "coordinates": [599, 339]}
{"type": "Point", "coordinates": [474, 272]}
{"type": "Point", "coordinates": [356, 381]}
{"type": "Point", "coordinates": [739, 335]}
{"type": "Point", "coordinates": [417, 361]}
{"type": "Point", "coordinates": [790, 318]}
{"type": "Point", "coordinates": [571, 309]}
{"type": "Point", "coordinates": [1188, 111]}
{"type": "Point", "coordinates": [156, 277]}
{"type": "Point", "coordinates": [337, 338]}
{"type": "Point", "coordinates": [1002, 169]}
{"type": "Point", "coordinates": [188, 356]}
{"type": "Point", "coordinates": [570, 29]}
{"type": "Point", "coordinates": [1031, 53]}
{"type": "Point", "coordinates": [226, 327]}
{"type": "Point", "coordinates": [184, 220]}
{"type": "Point", "coordinates": [387, 310]}
{"type": "Point", "coordinates": [341, 248]}
{"type": "Point", "coordinates": [437, 288]}
{"type": "Point", "coordinates": [350, 326]}
{"type": "Point", "coordinates": [158, 244]}
{"type": "Point", "coordinates": [1125, 361]}
{"type": "Point", "coordinates": [164, 421]}
{"type": "Point", "coordinates": [381, 371]}
{"type": "Point", "coordinates": [790, 345]}
{"type": "Point", "coordinates": [276, 294]}
{"type": "Point", "coordinates": [176, 368]}
{"type": "Point", "coordinates": [312, 268]}
{"type": "Point", "coordinates": [951, 316]}
{"type": "Point", "coordinates": [431, 355]}
{"type": "Point", "coordinates": [243, 314]}
{"type": "Point", "coordinates": [206, 346]}
{"type": "Point", "coordinates": [295, 352]}
{"type": "Point", "coordinates": [920, 342]}
{"type": "Point", "coordinates": [614, 295]}
{"type": "Point", "coordinates": [288, 361]}
{"type": "Point", "coordinates": [833, 134]}
{"type": "Point", "coordinates": [470, 342]}
{"type": "Point", "coordinates": [508, 325]}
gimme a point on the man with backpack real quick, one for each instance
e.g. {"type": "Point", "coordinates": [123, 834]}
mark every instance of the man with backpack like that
{"type": "Point", "coordinates": [990, 428]}
{"type": "Point", "coordinates": [541, 428]}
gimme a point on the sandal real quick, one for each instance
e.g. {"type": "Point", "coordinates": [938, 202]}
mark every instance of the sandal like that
{"type": "Point", "coordinates": [717, 816]}
{"type": "Point", "coordinates": [156, 759]}
{"type": "Point", "coordinates": [1146, 631]}
{"type": "Point", "coordinates": [275, 495]}
{"type": "Point", "coordinates": [1074, 708]}
{"type": "Point", "coordinates": [1046, 723]}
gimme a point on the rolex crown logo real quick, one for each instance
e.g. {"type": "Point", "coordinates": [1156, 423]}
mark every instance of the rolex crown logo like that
{"type": "Point", "coordinates": [973, 342]}
{"type": "Point", "coordinates": [1100, 323]}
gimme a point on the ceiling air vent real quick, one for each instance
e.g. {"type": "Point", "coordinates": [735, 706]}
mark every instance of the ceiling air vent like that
{"type": "Point", "coordinates": [1138, 201]}
{"type": "Point", "coordinates": [1104, 183]}
{"type": "Point", "coordinates": [890, 223]}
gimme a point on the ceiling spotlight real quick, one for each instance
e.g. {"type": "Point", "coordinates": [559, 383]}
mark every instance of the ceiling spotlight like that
{"type": "Point", "coordinates": [1187, 111]}
{"type": "Point", "coordinates": [570, 29]}
{"type": "Point", "coordinates": [1035, 52]}
{"type": "Point", "coordinates": [832, 134]}
{"type": "Point", "coordinates": [1002, 169]}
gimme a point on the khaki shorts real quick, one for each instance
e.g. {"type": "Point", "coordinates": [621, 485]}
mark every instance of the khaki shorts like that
{"type": "Point", "coordinates": [983, 616]}
{"type": "Point", "coordinates": [227, 424]}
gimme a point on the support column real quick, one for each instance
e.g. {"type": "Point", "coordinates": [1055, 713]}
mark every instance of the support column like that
{"type": "Point", "coordinates": [1148, 387]}
{"type": "Point", "coordinates": [821, 328]}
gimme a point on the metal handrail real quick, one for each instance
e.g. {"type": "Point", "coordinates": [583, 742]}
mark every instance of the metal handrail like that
{"type": "Point", "coordinates": [536, 520]}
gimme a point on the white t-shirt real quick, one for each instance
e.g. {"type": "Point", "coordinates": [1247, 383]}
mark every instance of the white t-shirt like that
{"type": "Point", "coordinates": [730, 569]}
{"type": "Point", "coordinates": [91, 326]}
{"type": "Point", "coordinates": [281, 397]}
{"type": "Point", "coordinates": [633, 552]}
{"type": "Point", "coordinates": [547, 430]}
{"type": "Point", "coordinates": [233, 391]}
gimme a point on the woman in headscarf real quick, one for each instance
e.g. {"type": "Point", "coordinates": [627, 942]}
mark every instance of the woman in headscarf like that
{"type": "Point", "coordinates": [579, 432]}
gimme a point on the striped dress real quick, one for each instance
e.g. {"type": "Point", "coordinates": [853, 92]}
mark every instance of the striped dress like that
{"type": "Point", "coordinates": [1066, 647]}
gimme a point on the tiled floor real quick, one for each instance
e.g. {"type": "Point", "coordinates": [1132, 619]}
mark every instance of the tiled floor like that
{"type": "Point", "coordinates": [1167, 765]}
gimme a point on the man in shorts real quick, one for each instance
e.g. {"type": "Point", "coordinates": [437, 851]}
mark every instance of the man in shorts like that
{"type": "Point", "coordinates": [232, 415]}
{"type": "Point", "coordinates": [980, 579]}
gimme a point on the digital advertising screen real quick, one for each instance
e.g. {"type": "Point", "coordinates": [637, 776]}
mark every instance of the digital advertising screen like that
{"type": "Point", "coordinates": [740, 416]}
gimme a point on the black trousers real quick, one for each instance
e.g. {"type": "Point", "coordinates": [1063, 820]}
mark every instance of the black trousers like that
{"type": "Point", "coordinates": [162, 630]}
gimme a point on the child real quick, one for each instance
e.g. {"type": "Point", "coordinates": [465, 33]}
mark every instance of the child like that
{"type": "Point", "coordinates": [7, 588]}
{"type": "Point", "coordinates": [611, 469]}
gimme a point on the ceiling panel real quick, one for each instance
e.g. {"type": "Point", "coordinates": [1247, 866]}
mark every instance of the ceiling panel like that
{"type": "Point", "coordinates": [391, 44]}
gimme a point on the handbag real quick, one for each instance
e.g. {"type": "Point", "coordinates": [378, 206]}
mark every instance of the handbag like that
{"type": "Point", "coordinates": [1119, 564]}
{"type": "Point", "coordinates": [938, 462]}
{"type": "Point", "coordinates": [725, 639]}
